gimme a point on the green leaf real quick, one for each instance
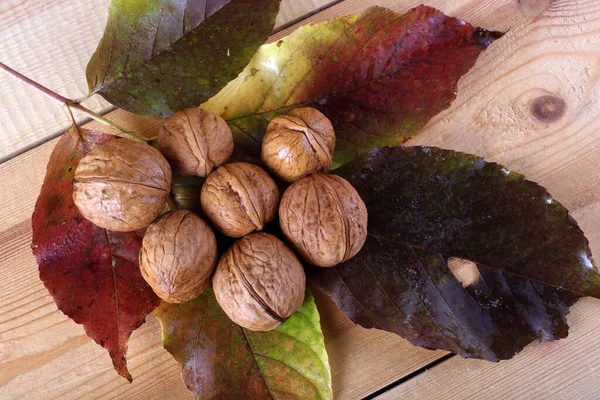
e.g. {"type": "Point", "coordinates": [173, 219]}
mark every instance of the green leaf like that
{"type": "Point", "coordinates": [375, 72]}
{"type": "Point", "coordinates": [219, 359]}
{"type": "Point", "coordinates": [426, 205]}
{"type": "Point", "coordinates": [160, 56]}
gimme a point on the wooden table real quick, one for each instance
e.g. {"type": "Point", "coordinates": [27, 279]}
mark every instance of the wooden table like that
{"type": "Point", "coordinates": [550, 48]}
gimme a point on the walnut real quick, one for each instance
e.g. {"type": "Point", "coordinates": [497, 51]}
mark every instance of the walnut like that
{"type": "Point", "coordinates": [324, 218]}
{"type": "Point", "coordinates": [178, 255]}
{"type": "Point", "coordinates": [259, 282]}
{"type": "Point", "coordinates": [122, 185]}
{"type": "Point", "coordinates": [298, 144]}
{"type": "Point", "coordinates": [239, 198]}
{"type": "Point", "coordinates": [195, 141]}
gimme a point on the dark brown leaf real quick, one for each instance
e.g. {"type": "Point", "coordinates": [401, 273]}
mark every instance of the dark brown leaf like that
{"type": "Point", "coordinates": [426, 205]}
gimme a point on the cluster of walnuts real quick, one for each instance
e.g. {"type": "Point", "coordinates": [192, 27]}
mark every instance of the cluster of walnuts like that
{"type": "Point", "coordinates": [259, 282]}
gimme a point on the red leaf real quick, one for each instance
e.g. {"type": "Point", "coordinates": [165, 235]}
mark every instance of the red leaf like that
{"type": "Point", "coordinates": [91, 273]}
{"type": "Point", "coordinates": [378, 76]}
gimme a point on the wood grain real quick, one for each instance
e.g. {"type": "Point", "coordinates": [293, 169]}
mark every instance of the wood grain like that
{"type": "Point", "coordinates": [532, 104]}
{"type": "Point", "coordinates": [548, 52]}
{"type": "Point", "coordinates": [51, 41]}
{"type": "Point", "coordinates": [565, 370]}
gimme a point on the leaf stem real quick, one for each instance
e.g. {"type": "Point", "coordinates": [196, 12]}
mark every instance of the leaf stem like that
{"type": "Point", "coordinates": [69, 103]}
{"type": "Point", "coordinates": [97, 117]}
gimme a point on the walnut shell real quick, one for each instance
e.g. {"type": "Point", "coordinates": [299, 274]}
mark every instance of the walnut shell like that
{"type": "Point", "coordinates": [259, 282]}
{"type": "Point", "coordinates": [324, 218]}
{"type": "Point", "coordinates": [122, 185]}
{"type": "Point", "coordinates": [239, 198]}
{"type": "Point", "coordinates": [195, 141]}
{"type": "Point", "coordinates": [298, 144]}
{"type": "Point", "coordinates": [178, 254]}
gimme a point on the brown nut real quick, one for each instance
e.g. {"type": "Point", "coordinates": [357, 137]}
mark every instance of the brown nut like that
{"type": "Point", "coordinates": [178, 255]}
{"type": "Point", "coordinates": [122, 185]}
{"type": "Point", "coordinates": [298, 144]}
{"type": "Point", "coordinates": [259, 282]}
{"type": "Point", "coordinates": [239, 198]}
{"type": "Point", "coordinates": [195, 141]}
{"type": "Point", "coordinates": [324, 218]}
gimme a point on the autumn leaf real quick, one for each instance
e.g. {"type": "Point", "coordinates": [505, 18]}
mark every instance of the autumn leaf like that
{"type": "Point", "coordinates": [219, 359]}
{"type": "Point", "coordinates": [426, 205]}
{"type": "Point", "coordinates": [185, 192]}
{"type": "Point", "coordinates": [91, 273]}
{"type": "Point", "coordinates": [371, 73]}
{"type": "Point", "coordinates": [157, 57]}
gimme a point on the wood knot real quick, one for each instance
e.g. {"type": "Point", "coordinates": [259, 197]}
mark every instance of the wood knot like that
{"type": "Point", "coordinates": [534, 8]}
{"type": "Point", "coordinates": [548, 108]}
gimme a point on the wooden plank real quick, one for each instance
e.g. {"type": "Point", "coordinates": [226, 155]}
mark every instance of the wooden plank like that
{"type": "Point", "coordinates": [557, 55]}
{"type": "Point", "coordinates": [51, 41]}
{"type": "Point", "coordinates": [52, 357]}
{"type": "Point", "coordinates": [567, 369]}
